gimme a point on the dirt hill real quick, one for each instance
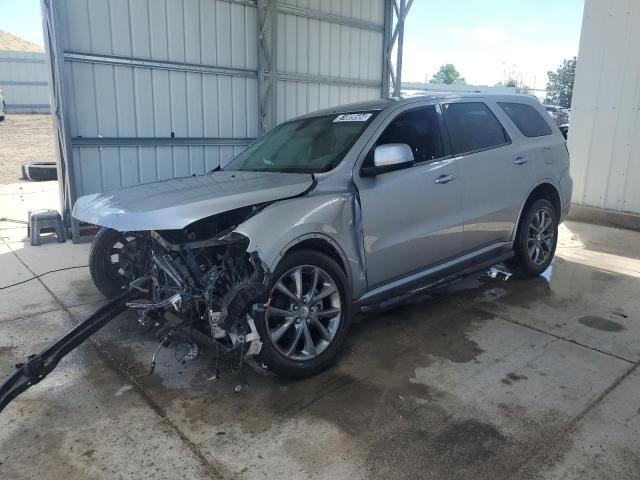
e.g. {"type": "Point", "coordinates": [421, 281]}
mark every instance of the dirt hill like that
{"type": "Point", "coordinates": [17, 44]}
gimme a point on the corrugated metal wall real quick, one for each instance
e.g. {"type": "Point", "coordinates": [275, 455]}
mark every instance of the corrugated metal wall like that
{"type": "Point", "coordinates": [166, 88]}
{"type": "Point", "coordinates": [156, 89]}
{"type": "Point", "coordinates": [604, 139]}
{"type": "Point", "coordinates": [322, 63]}
{"type": "Point", "coordinates": [24, 79]}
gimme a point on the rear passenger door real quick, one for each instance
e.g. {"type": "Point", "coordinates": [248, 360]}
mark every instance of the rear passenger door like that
{"type": "Point", "coordinates": [496, 171]}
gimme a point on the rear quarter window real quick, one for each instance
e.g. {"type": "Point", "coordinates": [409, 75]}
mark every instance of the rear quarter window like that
{"type": "Point", "coordinates": [527, 119]}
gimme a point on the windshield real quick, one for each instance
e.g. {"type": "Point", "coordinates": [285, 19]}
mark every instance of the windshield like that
{"type": "Point", "coordinates": [310, 145]}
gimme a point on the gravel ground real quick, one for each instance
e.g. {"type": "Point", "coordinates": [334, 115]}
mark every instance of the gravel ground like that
{"type": "Point", "coordinates": [24, 139]}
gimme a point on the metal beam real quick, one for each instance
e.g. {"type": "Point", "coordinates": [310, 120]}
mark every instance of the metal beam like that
{"type": "Point", "coordinates": [393, 76]}
{"type": "Point", "coordinates": [22, 82]}
{"type": "Point", "coordinates": [349, 82]}
{"type": "Point", "coordinates": [157, 141]}
{"type": "Point", "coordinates": [328, 17]}
{"type": "Point", "coordinates": [28, 105]}
{"type": "Point", "coordinates": [157, 64]}
{"type": "Point", "coordinates": [246, 3]}
{"type": "Point", "coordinates": [267, 18]}
{"type": "Point", "coordinates": [22, 60]}
{"type": "Point", "coordinates": [388, 26]}
{"type": "Point", "coordinates": [397, 91]}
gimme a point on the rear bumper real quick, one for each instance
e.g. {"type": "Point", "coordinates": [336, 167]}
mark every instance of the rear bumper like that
{"type": "Point", "coordinates": [566, 190]}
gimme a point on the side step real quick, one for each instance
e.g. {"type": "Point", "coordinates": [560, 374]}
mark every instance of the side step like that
{"type": "Point", "coordinates": [38, 366]}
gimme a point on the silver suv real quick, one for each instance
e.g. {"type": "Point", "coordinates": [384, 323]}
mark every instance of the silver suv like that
{"type": "Point", "coordinates": [334, 213]}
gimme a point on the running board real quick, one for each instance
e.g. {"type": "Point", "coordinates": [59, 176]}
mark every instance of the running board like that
{"type": "Point", "coordinates": [38, 366]}
{"type": "Point", "coordinates": [393, 300]}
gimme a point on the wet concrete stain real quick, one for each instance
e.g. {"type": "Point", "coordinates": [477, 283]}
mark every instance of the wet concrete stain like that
{"type": "Point", "coordinates": [471, 441]}
{"type": "Point", "coordinates": [81, 291]}
{"type": "Point", "coordinates": [430, 326]}
{"type": "Point", "coordinates": [602, 324]}
{"type": "Point", "coordinates": [6, 349]}
{"type": "Point", "coordinates": [489, 289]}
{"type": "Point", "coordinates": [601, 276]}
{"type": "Point", "coordinates": [511, 377]}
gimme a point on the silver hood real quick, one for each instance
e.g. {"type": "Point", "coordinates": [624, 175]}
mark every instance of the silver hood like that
{"type": "Point", "coordinates": [175, 203]}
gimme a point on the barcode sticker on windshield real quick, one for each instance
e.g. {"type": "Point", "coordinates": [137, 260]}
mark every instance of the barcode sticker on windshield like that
{"type": "Point", "coordinates": [353, 117]}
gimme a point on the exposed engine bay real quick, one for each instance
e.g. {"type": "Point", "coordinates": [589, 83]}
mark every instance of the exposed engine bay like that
{"type": "Point", "coordinates": [204, 275]}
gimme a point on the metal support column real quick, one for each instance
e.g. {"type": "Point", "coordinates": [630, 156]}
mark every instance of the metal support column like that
{"type": "Point", "coordinates": [267, 78]}
{"type": "Point", "coordinates": [397, 91]}
{"type": "Point", "coordinates": [394, 35]}
{"type": "Point", "coordinates": [388, 26]}
{"type": "Point", "coordinates": [55, 59]}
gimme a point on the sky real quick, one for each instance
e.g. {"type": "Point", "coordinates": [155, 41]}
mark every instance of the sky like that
{"type": "Point", "coordinates": [487, 40]}
{"type": "Point", "coordinates": [22, 18]}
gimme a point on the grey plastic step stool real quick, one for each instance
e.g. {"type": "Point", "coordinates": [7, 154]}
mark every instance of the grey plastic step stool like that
{"type": "Point", "coordinates": [45, 221]}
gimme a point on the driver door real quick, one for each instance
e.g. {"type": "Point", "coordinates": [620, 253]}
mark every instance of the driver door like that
{"type": "Point", "coordinates": [411, 217]}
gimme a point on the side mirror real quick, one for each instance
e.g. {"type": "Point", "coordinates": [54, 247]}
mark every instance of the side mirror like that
{"type": "Point", "coordinates": [388, 158]}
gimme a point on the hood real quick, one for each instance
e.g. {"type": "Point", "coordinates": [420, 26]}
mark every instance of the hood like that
{"type": "Point", "coordinates": [175, 203]}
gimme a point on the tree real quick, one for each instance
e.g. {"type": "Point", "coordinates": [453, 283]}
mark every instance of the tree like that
{"type": "Point", "coordinates": [526, 89]}
{"type": "Point", "coordinates": [448, 75]}
{"type": "Point", "coordinates": [511, 82]}
{"type": "Point", "coordinates": [560, 86]}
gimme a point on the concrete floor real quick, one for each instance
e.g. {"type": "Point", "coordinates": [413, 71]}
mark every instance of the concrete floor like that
{"type": "Point", "coordinates": [486, 379]}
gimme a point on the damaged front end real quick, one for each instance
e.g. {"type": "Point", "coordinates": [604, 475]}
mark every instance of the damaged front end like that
{"type": "Point", "coordinates": [202, 277]}
{"type": "Point", "coordinates": [213, 284]}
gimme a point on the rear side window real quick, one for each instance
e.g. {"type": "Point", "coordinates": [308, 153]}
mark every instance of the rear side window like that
{"type": "Point", "coordinates": [527, 119]}
{"type": "Point", "coordinates": [472, 126]}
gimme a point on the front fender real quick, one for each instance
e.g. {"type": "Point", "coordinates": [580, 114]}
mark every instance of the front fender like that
{"type": "Point", "coordinates": [331, 217]}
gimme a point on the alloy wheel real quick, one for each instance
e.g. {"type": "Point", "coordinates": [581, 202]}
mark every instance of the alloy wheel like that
{"type": "Point", "coordinates": [541, 236]}
{"type": "Point", "coordinates": [124, 258]}
{"type": "Point", "coordinates": [305, 313]}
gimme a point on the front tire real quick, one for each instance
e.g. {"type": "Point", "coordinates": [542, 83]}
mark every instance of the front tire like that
{"type": "Point", "coordinates": [537, 238]}
{"type": "Point", "coordinates": [308, 317]}
{"type": "Point", "coordinates": [115, 260]}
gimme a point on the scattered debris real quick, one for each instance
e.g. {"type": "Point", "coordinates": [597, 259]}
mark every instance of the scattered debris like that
{"type": "Point", "coordinates": [123, 389]}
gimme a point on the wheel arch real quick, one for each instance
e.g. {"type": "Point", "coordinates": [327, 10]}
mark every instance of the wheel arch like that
{"type": "Point", "coordinates": [545, 189]}
{"type": "Point", "coordinates": [323, 221]}
{"type": "Point", "coordinates": [321, 243]}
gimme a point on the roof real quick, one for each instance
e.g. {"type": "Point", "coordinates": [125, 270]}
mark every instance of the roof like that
{"type": "Point", "coordinates": [354, 107]}
{"type": "Point", "coordinates": [16, 44]}
{"type": "Point", "coordinates": [384, 103]}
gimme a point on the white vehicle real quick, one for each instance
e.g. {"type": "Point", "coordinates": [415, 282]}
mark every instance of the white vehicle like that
{"type": "Point", "coordinates": [3, 107]}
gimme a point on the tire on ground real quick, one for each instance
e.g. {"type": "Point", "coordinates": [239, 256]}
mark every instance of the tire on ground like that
{"type": "Point", "coordinates": [100, 267]}
{"type": "Point", "coordinates": [40, 171]}
{"type": "Point", "coordinates": [522, 261]}
{"type": "Point", "coordinates": [290, 368]}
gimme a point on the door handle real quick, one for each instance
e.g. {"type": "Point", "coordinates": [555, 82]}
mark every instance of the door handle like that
{"type": "Point", "coordinates": [445, 179]}
{"type": "Point", "coordinates": [521, 160]}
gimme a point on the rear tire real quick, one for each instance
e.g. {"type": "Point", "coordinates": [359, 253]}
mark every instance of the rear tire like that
{"type": "Point", "coordinates": [536, 239]}
{"type": "Point", "coordinates": [312, 318]}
